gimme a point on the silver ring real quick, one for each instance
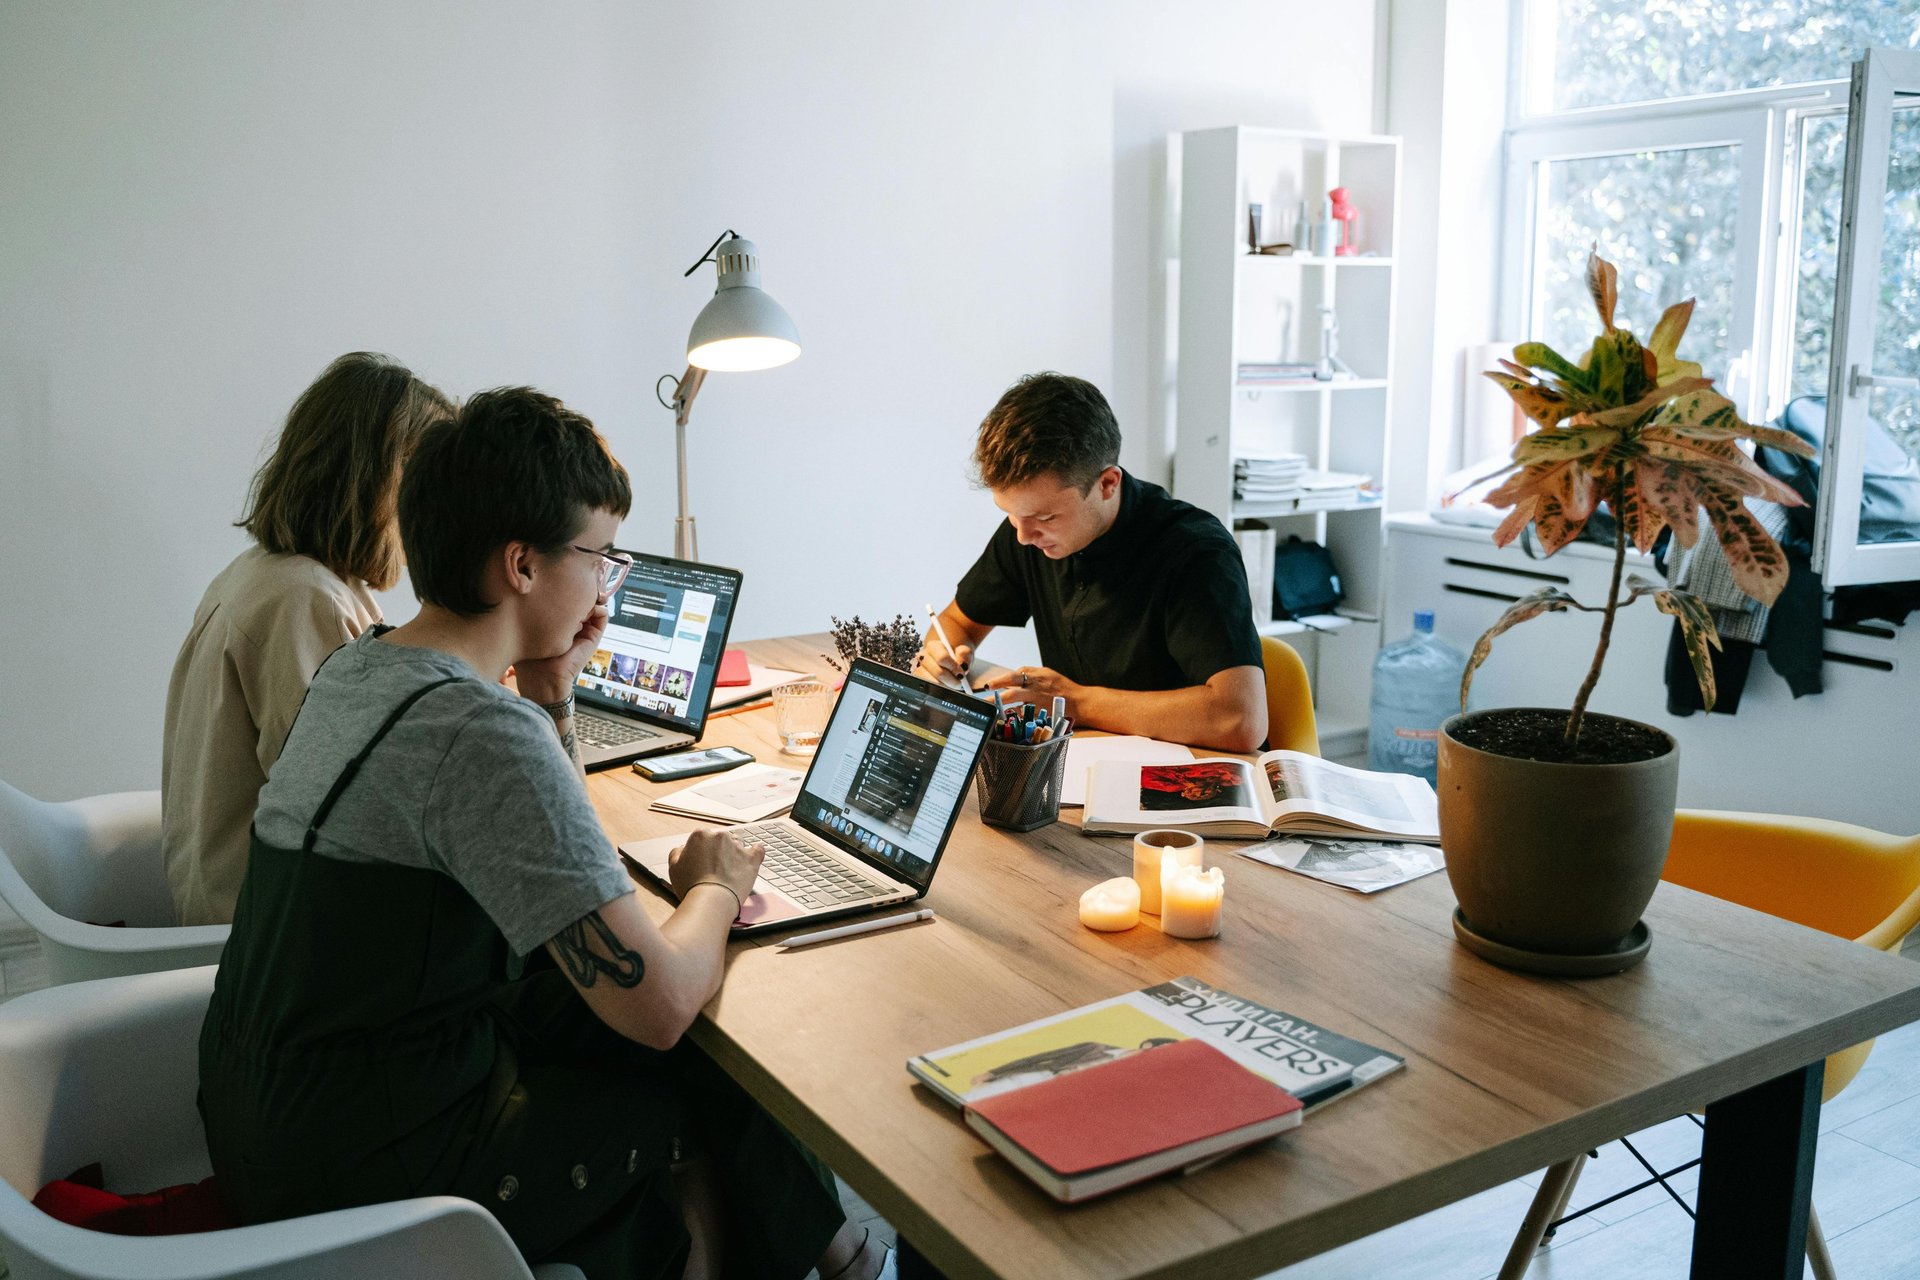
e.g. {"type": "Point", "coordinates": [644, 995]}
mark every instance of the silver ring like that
{"type": "Point", "coordinates": [1023, 677]}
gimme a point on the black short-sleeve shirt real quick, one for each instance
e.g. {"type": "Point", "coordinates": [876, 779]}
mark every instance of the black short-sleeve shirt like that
{"type": "Point", "coordinates": [1158, 601]}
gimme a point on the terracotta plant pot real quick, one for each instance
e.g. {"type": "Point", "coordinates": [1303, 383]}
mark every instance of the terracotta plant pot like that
{"type": "Point", "coordinates": [1554, 863]}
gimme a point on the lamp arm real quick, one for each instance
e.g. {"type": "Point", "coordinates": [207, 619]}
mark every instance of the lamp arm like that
{"type": "Point", "coordinates": [685, 388]}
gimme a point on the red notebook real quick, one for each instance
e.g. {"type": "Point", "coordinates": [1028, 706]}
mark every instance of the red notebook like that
{"type": "Point", "coordinates": [733, 669]}
{"type": "Point", "coordinates": [1095, 1130]}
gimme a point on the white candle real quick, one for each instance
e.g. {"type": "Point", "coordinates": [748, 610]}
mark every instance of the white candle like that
{"type": "Point", "coordinates": [1111, 905]}
{"type": "Point", "coordinates": [1190, 901]}
{"type": "Point", "coordinates": [1151, 851]}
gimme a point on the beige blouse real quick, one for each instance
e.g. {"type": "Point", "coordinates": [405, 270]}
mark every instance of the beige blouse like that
{"type": "Point", "coordinates": [263, 628]}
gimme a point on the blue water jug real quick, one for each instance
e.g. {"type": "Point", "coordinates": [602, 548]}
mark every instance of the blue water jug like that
{"type": "Point", "coordinates": [1416, 686]}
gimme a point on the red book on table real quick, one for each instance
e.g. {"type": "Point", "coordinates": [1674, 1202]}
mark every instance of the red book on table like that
{"type": "Point", "coordinates": [733, 669]}
{"type": "Point", "coordinates": [1095, 1130]}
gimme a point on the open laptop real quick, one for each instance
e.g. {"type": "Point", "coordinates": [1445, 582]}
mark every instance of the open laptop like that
{"type": "Point", "coordinates": [874, 811]}
{"type": "Point", "coordinates": [647, 688]}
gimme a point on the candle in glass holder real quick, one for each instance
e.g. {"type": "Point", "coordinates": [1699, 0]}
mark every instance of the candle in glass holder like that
{"type": "Point", "coordinates": [1191, 901]}
{"type": "Point", "coordinates": [1111, 905]}
{"type": "Point", "coordinates": [1152, 850]}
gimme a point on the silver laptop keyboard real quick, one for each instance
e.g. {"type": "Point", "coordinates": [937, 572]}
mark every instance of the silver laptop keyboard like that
{"type": "Point", "coordinates": [599, 731]}
{"type": "Point", "coordinates": [806, 875]}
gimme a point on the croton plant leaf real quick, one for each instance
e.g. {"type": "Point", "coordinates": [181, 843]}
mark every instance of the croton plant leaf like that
{"type": "Point", "coordinates": [1697, 632]}
{"type": "Point", "coordinates": [1545, 600]}
{"type": "Point", "coordinates": [1640, 428]}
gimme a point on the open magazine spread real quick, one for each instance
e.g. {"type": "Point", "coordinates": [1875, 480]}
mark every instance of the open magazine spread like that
{"type": "Point", "coordinates": [1279, 792]}
{"type": "Point", "coordinates": [1310, 1062]}
{"type": "Point", "coordinates": [1365, 866]}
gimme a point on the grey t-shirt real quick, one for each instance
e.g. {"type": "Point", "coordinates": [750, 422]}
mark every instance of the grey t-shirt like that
{"type": "Point", "coordinates": [471, 782]}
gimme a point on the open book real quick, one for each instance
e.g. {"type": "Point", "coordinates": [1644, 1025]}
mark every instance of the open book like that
{"type": "Point", "coordinates": [1281, 792]}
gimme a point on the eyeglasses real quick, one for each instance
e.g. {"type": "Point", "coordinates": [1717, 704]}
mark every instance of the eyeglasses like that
{"type": "Point", "coordinates": [613, 568]}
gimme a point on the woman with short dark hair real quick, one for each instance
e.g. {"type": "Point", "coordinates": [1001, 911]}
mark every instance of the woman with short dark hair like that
{"type": "Point", "coordinates": [379, 1029]}
{"type": "Point", "coordinates": [321, 515]}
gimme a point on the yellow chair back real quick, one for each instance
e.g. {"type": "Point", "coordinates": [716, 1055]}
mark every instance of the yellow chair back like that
{"type": "Point", "coordinates": [1832, 876]}
{"type": "Point", "coordinates": [1290, 722]}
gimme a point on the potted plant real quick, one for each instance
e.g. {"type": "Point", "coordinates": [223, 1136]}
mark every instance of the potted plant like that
{"type": "Point", "coordinates": [1556, 822]}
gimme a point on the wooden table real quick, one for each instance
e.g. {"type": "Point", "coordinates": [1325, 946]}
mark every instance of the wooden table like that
{"type": "Point", "coordinates": [1505, 1074]}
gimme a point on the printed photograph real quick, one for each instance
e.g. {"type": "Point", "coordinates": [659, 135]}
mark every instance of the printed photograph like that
{"type": "Point", "coordinates": [1204, 784]}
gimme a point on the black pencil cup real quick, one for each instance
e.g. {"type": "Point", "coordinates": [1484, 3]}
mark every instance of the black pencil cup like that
{"type": "Point", "coordinates": [1019, 786]}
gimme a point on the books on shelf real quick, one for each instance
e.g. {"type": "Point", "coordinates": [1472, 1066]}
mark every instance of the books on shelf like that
{"type": "Point", "coordinates": [747, 794]}
{"type": "Point", "coordinates": [1268, 475]}
{"type": "Point", "coordinates": [1277, 793]}
{"type": "Point", "coordinates": [1256, 552]}
{"type": "Point", "coordinates": [1174, 1106]}
{"type": "Point", "coordinates": [1275, 370]}
{"type": "Point", "coordinates": [1310, 1062]}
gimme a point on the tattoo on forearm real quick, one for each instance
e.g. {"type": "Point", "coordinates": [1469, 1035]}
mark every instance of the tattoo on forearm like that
{"type": "Point", "coordinates": [567, 744]}
{"type": "Point", "coordinates": [586, 965]}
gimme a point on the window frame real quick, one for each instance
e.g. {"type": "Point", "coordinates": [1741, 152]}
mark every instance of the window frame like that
{"type": "Point", "coordinates": [1766, 124]}
{"type": "Point", "coordinates": [1878, 80]}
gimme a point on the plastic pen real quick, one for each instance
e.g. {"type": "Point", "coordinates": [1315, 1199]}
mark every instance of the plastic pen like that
{"type": "Point", "coordinates": [849, 930]}
{"type": "Point", "coordinates": [960, 681]}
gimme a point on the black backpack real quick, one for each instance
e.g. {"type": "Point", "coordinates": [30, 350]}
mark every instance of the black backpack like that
{"type": "Point", "coordinates": [1304, 579]}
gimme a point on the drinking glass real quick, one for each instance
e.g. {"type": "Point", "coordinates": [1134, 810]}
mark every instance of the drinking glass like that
{"type": "Point", "coordinates": [801, 709]}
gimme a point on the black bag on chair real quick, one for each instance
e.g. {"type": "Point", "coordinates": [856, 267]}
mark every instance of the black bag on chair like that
{"type": "Point", "coordinates": [1304, 579]}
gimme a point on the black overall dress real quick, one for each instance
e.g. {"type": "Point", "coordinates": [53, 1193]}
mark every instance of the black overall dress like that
{"type": "Point", "coordinates": [370, 1038]}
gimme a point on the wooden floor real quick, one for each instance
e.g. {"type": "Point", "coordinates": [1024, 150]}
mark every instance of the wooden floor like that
{"type": "Point", "coordinates": [1866, 1187]}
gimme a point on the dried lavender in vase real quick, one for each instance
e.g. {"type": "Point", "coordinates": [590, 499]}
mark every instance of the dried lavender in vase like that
{"type": "Point", "coordinates": [892, 644]}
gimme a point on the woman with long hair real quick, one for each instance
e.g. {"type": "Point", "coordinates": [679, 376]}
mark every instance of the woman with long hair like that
{"type": "Point", "coordinates": [321, 515]}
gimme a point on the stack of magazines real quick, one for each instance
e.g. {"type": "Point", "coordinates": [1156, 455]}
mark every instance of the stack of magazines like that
{"type": "Point", "coordinates": [1267, 477]}
{"type": "Point", "coordinates": [1330, 490]}
{"type": "Point", "coordinates": [1275, 371]}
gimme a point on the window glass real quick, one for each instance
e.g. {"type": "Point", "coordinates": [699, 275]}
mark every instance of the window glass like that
{"type": "Point", "coordinates": [1666, 219]}
{"type": "Point", "coordinates": [1593, 53]}
{"type": "Point", "coordinates": [1897, 331]}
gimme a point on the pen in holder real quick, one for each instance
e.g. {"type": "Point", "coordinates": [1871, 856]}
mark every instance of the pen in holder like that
{"type": "Point", "coordinates": [1019, 783]}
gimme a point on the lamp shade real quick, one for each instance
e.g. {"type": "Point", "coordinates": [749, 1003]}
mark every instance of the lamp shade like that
{"type": "Point", "coordinates": [741, 328]}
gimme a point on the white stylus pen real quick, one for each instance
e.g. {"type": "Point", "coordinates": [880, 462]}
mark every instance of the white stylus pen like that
{"type": "Point", "coordinates": [848, 930]}
{"type": "Point", "coordinates": [961, 680]}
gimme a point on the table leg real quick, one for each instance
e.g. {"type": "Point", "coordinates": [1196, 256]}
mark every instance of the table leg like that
{"type": "Point", "coordinates": [1756, 1177]}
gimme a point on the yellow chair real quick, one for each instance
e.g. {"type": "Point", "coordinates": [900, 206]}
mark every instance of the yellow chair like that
{"type": "Point", "coordinates": [1831, 876]}
{"type": "Point", "coordinates": [1290, 722]}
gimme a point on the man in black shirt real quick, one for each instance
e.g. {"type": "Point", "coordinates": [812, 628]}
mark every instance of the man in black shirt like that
{"type": "Point", "coordinates": [1139, 600]}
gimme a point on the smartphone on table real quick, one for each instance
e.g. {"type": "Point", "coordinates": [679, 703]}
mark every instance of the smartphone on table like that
{"type": "Point", "coordinates": [691, 764]}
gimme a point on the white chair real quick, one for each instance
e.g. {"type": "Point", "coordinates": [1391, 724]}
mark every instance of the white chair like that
{"type": "Point", "coordinates": [109, 1071]}
{"type": "Point", "coordinates": [97, 859]}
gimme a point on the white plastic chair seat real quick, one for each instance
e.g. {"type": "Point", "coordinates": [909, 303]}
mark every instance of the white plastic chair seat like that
{"type": "Point", "coordinates": [97, 859]}
{"type": "Point", "coordinates": [109, 1071]}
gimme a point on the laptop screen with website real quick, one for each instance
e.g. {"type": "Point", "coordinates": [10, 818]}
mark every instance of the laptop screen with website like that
{"type": "Point", "coordinates": [666, 629]}
{"type": "Point", "coordinates": [892, 768]}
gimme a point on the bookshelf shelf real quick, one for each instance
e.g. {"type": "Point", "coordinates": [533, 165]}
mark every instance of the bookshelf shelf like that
{"type": "Point", "coordinates": [1230, 315]}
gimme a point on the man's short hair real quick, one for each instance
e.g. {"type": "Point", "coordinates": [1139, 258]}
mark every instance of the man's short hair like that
{"type": "Point", "coordinates": [1047, 423]}
{"type": "Point", "coordinates": [512, 465]}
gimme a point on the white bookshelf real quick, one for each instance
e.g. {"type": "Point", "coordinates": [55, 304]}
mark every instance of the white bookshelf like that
{"type": "Point", "coordinates": [1235, 306]}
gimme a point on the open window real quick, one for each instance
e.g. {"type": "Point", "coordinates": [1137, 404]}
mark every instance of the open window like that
{"type": "Point", "coordinates": [1869, 527]}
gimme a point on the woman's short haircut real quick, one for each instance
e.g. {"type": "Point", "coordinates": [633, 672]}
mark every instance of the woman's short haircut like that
{"type": "Point", "coordinates": [328, 489]}
{"type": "Point", "coordinates": [1047, 424]}
{"type": "Point", "coordinates": [512, 465]}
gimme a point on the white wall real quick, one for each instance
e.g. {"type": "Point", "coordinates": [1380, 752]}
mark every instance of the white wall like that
{"type": "Point", "coordinates": [204, 203]}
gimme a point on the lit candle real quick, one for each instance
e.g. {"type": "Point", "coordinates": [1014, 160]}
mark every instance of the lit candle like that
{"type": "Point", "coordinates": [1190, 901]}
{"type": "Point", "coordinates": [1151, 851]}
{"type": "Point", "coordinates": [1111, 905]}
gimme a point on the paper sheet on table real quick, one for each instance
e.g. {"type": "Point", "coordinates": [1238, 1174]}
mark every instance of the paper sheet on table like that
{"type": "Point", "coordinates": [1084, 753]}
{"type": "Point", "coordinates": [760, 682]}
{"type": "Point", "coordinates": [1365, 866]}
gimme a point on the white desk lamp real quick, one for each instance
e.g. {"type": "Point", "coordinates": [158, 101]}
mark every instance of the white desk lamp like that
{"type": "Point", "coordinates": [739, 330]}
